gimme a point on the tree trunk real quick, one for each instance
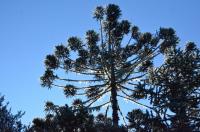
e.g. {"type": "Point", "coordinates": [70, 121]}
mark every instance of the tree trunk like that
{"type": "Point", "coordinates": [114, 101]}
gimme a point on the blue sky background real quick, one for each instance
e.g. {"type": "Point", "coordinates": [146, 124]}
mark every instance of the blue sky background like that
{"type": "Point", "coordinates": [29, 30]}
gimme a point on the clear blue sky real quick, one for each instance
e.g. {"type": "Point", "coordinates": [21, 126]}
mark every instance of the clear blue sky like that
{"type": "Point", "coordinates": [29, 30]}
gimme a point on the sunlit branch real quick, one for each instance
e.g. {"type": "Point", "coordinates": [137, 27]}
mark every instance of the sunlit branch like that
{"type": "Point", "coordinates": [149, 54]}
{"type": "Point", "coordinates": [98, 95]}
{"type": "Point", "coordinates": [101, 30]}
{"type": "Point", "coordinates": [96, 100]}
{"type": "Point", "coordinates": [138, 57]}
{"type": "Point", "coordinates": [80, 88]}
{"type": "Point", "coordinates": [105, 69]}
{"type": "Point", "coordinates": [131, 79]}
{"type": "Point", "coordinates": [86, 67]}
{"type": "Point", "coordinates": [121, 86]}
{"type": "Point", "coordinates": [61, 86]}
{"type": "Point", "coordinates": [137, 77]}
{"type": "Point", "coordinates": [136, 64]}
{"type": "Point", "coordinates": [85, 73]}
{"type": "Point", "coordinates": [132, 84]}
{"type": "Point", "coordinates": [73, 80]}
{"type": "Point", "coordinates": [135, 59]}
{"type": "Point", "coordinates": [98, 105]}
{"type": "Point", "coordinates": [122, 115]}
{"type": "Point", "coordinates": [106, 72]}
{"type": "Point", "coordinates": [93, 72]}
{"type": "Point", "coordinates": [129, 98]}
{"type": "Point", "coordinates": [56, 85]}
{"type": "Point", "coordinates": [132, 68]}
{"type": "Point", "coordinates": [95, 86]}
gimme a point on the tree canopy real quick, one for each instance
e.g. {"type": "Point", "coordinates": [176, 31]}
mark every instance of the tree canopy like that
{"type": "Point", "coordinates": [109, 61]}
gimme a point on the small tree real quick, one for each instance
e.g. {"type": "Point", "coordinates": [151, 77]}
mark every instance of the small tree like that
{"type": "Point", "coordinates": [8, 121]}
{"type": "Point", "coordinates": [175, 92]}
{"type": "Point", "coordinates": [109, 61]}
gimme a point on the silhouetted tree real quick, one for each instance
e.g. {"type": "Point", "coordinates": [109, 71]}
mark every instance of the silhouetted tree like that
{"type": "Point", "coordinates": [141, 121]}
{"type": "Point", "coordinates": [76, 118]}
{"type": "Point", "coordinates": [110, 61]}
{"type": "Point", "coordinates": [64, 118]}
{"type": "Point", "coordinates": [175, 89]}
{"type": "Point", "coordinates": [9, 122]}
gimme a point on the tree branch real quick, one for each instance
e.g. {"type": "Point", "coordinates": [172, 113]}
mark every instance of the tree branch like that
{"type": "Point", "coordinates": [73, 80]}
{"type": "Point", "coordinates": [126, 88]}
{"type": "Point", "coordinates": [122, 115]}
{"type": "Point", "coordinates": [129, 98]}
{"type": "Point", "coordinates": [98, 95]}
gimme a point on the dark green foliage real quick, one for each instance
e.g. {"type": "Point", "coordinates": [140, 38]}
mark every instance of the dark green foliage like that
{"type": "Point", "coordinates": [72, 119]}
{"type": "Point", "coordinates": [145, 122]}
{"type": "Point", "coordinates": [112, 12]}
{"type": "Point", "coordinates": [64, 118]}
{"type": "Point", "coordinates": [135, 32]}
{"type": "Point", "coordinates": [174, 90]}
{"type": "Point", "coordinates": [139, 92]}
{"type": "Point", "coordinates": [104, 124]}
{"type": "Point", "coordinates": [92, 38]}
{"type": "Point", "coordinates": [99, 13]}
{"type": "Point", "coordinates": [169, 39]}
{"type": "Point", "coordinates": [61, 51]}
{"type": "Point", "coordinates": [69, 90]}
{"type": "Point", "coordinates": [51, 62]}
{"type": "Point", "coordinates": [9, 122]}
{"type": "Point", "coordinates": [190, 46]}
{"type": "Point", "coordinates": [74, 43]}
{"type": "Point", "coordinates": [145, 38]}
{"type": "Point", "coordinates": [48, 78]}
{"type": "Point", "coordinates": [138, 121]}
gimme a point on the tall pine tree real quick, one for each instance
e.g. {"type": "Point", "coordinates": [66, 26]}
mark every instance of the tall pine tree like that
{"type": "Point", "coordinates": [108, 62]}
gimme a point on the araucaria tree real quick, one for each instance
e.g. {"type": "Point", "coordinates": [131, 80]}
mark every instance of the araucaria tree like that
{"type": "Point", "coordinates": [108, 61]}
{"type": "Point", "coordinates": [175, 91]}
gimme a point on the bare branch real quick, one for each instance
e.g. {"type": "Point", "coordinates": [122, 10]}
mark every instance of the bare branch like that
{"type": "Point", "coordinates": [131, 79]}
{"type": "Point", "coordinates": [122, 115]}
{"type": "Point", "coordinates": [126, 88]}
{"type": "Point", "coordinates": [129, 98]}
{"type": "Point", "coordinates": [73, 80]}
{"type": "Point", "coordinates": [98, 95]}
{"type": "Point", "coordinates": [129, 40]}
{"type": "Point", "coordinates": [136, 64]}
{"type": "Point", "coordinates": [132, 84]}
{"type": "Point", "coordinates": [99, 105]}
